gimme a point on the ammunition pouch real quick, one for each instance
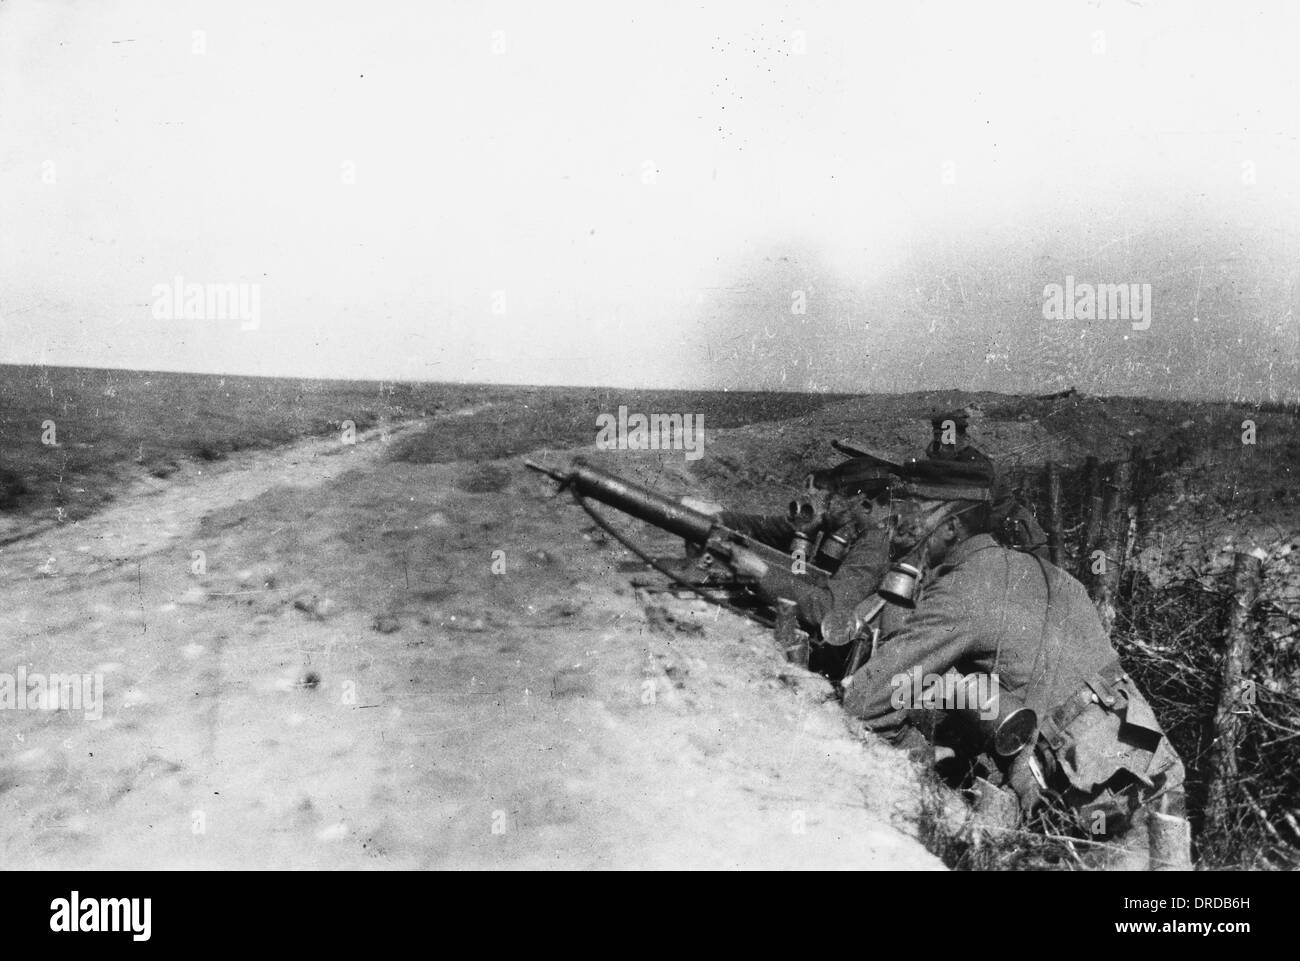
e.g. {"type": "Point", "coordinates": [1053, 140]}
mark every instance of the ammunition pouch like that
{"type": "Point", "coordinates": [1102, 688]}
{"type": "Point", "coordinates": [1105, 736]}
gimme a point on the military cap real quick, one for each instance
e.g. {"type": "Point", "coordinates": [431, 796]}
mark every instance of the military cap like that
{"type": "Point", "coordinates": [858, 475]}
{"type": "Point", "coordinates": [945, 480]}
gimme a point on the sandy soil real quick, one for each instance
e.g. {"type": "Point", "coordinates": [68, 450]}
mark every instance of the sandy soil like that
{"type": "Point", "coordinates": [348, 684]}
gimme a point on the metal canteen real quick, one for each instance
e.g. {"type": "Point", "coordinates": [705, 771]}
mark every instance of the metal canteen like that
{"type": "Point", "coordinates": [899, 585]}
{"type": "Point", "coordinates": [831, 551]}
{"type": "Point", "coordinates": [1012, 726]}
{"type": "Point", "coordinates": [1015, 732]}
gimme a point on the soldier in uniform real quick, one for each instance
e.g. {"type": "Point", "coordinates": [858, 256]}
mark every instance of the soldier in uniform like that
{"type": "Point", "coordinates": [1011, 522]}
{"type": "Point", "coordinates": [985, 609]}
{"type": "Point", "coordinates": [857, 520]}
{"type": "Point", "coordinates": [949, 441]}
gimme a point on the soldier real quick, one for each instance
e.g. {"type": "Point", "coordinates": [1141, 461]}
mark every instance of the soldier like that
{"type": "Point", "coordinates": [1012, 522]}
{"type": "Point", "coordinates": [1033, 631]}
{"type": "Point", "coordinates": [854, 510]}
{"type": "Point", "coordinates": [949, 441]}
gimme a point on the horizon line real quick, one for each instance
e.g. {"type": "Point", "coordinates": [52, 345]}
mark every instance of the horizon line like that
{"type": "Point", "coordinates": [666, 389]}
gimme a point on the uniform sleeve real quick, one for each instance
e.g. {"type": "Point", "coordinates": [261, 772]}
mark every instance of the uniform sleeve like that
{"type": "Point", "coordinates": [857, 578]}
{"type": "Point", "coordinates": [937, 636]}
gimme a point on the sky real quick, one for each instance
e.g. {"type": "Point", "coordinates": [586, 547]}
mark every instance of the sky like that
{"type": "Point", "coordinates": [806, 196]}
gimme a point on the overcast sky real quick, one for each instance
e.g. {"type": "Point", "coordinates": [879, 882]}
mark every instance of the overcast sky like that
{"type": "Point", "coordinates": [645, 194]}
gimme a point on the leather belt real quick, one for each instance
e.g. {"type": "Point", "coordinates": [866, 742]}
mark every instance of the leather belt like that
{"type": "Point", "coordinates": [1103, 687]}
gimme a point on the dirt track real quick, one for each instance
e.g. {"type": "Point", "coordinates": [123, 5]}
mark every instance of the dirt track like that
{"type": "Point", "coordinates": [349, 685]}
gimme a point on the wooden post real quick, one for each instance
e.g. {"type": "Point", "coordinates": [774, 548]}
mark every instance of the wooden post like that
{"type": "Point", "coordinates": [1125, 513]}
{"type": "Point", "coordinates": [1169, 838]}
{"type": "Point", "coordinates": [1091, 477]}
{"type": "Point", "coordinates": [1091, 519]}
{"type": "Point", "coordinates": [792, 641]}
{"type": "Point", "coordinates": [1114, 532]}
{"type": "Point", "coordinates": [1054, 545]}
{"type": "Point", "coordinates": [1235, 696]}
{"type": "Point", "coordinates": [1139, 488]}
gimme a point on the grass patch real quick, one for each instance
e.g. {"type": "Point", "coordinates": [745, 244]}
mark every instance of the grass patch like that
{"type": "Point", "coordinates": [515, 421]}
{"type": "Point", "coordinates": [112, 426]}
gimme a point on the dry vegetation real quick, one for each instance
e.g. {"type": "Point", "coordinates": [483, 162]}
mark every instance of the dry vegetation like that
{"type": "Point", "coordinates": [1200, 496]}
{"type": "Point", "coordinates": [113, 426]}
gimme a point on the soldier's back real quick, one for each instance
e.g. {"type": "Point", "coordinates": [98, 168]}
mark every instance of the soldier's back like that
{"type": "Point", "coordinates": [1040, 631]}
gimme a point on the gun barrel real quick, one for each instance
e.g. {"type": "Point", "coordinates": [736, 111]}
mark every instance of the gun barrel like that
{"type": "Point", "coordinates": [555, 475]}
{"type": "Point", "coordinates": [640, 502]}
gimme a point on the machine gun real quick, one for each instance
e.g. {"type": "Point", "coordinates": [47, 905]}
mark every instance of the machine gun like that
{"type": "Point", "coordinates": [789, 576]}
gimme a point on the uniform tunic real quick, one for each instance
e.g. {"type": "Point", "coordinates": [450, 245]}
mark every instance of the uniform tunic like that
{"type": "Point", "coordinates": [991, 610]}
{"type": "Point", "coordinates": [857, 577]}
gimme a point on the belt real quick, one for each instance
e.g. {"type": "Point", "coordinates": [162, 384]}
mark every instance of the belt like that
{"type": "Point", "coordinates": [1103, 687]}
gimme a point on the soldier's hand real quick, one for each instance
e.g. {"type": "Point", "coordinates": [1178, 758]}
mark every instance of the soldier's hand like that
{"type": "Point", "coordinates": [695, 551]}
{"type": "Point", "coordinates": [803, 517]}
{"type": "Point", "coordinates": [848, 511]}
{"type": "Point", "coordinates": [747, 563]}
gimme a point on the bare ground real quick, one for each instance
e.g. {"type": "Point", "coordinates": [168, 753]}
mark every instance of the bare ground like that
{"type": "Point", "coordinates": [348, 684]}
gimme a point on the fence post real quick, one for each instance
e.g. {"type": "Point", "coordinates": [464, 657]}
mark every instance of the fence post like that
{"type": "Point", "coordinates": [1091, 520]}
{"type": "Point", "coordinates": [1113, 535]}
{"type": "Point", "coordinates": [1235, 697]}
{"type": "Point", "coordinates": [1054, 545]}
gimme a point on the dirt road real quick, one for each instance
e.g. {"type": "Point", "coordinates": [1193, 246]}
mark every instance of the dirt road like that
{"type": "Point", "coordinates": [308, 660]}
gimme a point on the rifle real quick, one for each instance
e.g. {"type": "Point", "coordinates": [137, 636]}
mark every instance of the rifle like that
{"type": "Point", "coordinates": [741, 554]}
